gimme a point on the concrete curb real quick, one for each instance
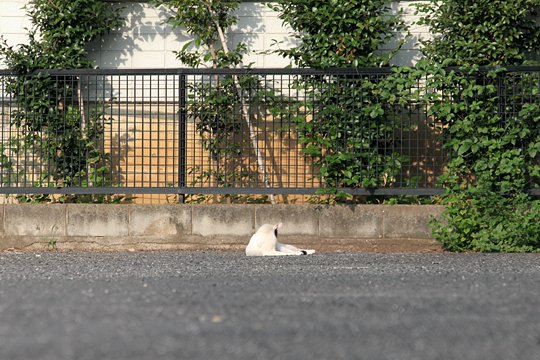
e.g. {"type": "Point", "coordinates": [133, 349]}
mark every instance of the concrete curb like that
{"type": "Point", "coordinates": [175, 226]}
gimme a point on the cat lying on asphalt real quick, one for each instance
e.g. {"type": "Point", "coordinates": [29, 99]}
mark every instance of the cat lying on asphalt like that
{"type": "Point", "coordinates": [264, 243]}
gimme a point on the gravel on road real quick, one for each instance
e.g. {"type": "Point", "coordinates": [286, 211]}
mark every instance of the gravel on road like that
{"type": "Point", "coordinates": [224, 305]}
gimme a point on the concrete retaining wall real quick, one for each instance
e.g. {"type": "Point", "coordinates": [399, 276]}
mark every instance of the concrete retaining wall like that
{"type": "Point", "coordinates": [160, 227]}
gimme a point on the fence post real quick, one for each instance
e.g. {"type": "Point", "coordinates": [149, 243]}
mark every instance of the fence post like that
{"type": "Point", "coordinates": [182, 148]}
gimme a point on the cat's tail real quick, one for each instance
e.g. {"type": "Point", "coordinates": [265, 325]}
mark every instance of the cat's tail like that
{"type": "Point", "coordinates": [291, 249]}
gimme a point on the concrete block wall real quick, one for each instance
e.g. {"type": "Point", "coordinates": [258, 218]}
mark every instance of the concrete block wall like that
{"type": "Point", "coordinates": [175, 226]}
{"type": "Point", "coordinates": [145, 42]}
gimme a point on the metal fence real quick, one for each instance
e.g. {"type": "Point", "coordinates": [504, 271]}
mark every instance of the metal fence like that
{"type": "Point", "coordinates": [202, 132]}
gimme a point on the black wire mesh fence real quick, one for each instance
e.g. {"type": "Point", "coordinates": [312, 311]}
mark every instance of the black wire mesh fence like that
{"type": "Point", "coordinates": [206, 133]}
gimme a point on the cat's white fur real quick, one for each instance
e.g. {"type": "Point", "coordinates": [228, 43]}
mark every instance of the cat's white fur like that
{"type": "Point", "coordinates": [264, 243]}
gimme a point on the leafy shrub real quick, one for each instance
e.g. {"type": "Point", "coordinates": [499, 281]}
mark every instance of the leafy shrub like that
{"type": "Point", "coordinates": [491, 122]}
{"type": "Point", "coordinates": [489, 222]}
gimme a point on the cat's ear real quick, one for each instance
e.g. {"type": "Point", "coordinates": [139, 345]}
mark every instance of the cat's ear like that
{"type": "Point", "coordinates": [276, 228]}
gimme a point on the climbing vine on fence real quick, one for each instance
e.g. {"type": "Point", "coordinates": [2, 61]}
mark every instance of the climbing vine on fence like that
{"type": "Point", "coordinates": [351, 122]}
{"type": "Point", "coordinates": [221, 104]}
{"type": "Point", "coordinates": [51, 119]}
{"type": "Point", "coordinates": [491, 121]}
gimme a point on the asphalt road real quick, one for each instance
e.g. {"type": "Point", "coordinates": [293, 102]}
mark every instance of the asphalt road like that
{"type": "Point", "coordinates": [219, 305]}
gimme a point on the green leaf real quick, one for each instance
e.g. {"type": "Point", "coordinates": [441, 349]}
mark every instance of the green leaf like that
{"type": "Point", "coordinates": [463, 148]}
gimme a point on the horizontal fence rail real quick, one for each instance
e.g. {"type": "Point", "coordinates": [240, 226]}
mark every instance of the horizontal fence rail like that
{"type": "Point", "coordinates": [203, 132]}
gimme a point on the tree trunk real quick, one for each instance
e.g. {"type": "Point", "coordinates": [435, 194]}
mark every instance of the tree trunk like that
{"type": "Point", "coordinates": [245, 109]}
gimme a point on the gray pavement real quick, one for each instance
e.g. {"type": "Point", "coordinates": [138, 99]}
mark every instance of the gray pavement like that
{"type": "Point", "coordinates": [223, 305]}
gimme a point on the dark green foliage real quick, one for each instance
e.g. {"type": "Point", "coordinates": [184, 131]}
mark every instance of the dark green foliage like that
{"type": "Point", "coordinates": [489, 222]}
{"type": "Point", "coordinates": [494, 161]}
{"type": "Point", "coordinates": [339, 33]}
{"type": "Point", "coordinates": [485, 32]}
{"type": "Point", "coordinates": [491, 122]}
{"type": "Point", "coordinates": [350, 132]}
{"type": "Point", "coordinates": [51, 120]}
{"type": "Point", "coordinates": [350, 135]}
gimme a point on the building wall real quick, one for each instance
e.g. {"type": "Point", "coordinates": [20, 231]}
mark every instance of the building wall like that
{"type": "Point", "coordinates": [145, 42]}
{"type": "Point", "coordinates": [13, 21]}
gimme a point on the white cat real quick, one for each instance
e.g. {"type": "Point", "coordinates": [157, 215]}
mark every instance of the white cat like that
{"type": "Point", "coordinates": [264, 243]}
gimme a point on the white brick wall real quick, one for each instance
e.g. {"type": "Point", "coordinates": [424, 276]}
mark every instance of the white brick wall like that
{"type": "Point", "coordinates": [145, 42]}
{"type": "Point", "coordinates": [13, 21]}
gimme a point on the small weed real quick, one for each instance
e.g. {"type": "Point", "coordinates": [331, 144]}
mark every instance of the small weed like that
{"type": "Point", "coordinates": [52, 244]}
